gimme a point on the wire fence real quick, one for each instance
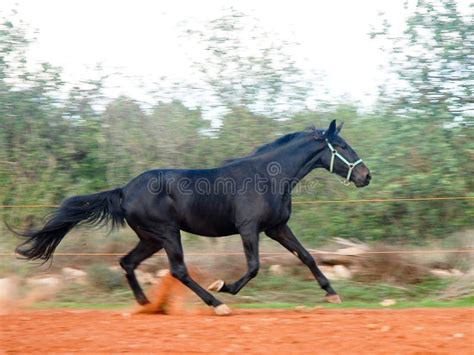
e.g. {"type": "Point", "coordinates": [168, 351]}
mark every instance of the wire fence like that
{"type": "Point", "coordinates": [313, 251]}
{"type": "Point", "coordinates": [381, 200]}
{"type": "Point", "coordinates": [310, 202]}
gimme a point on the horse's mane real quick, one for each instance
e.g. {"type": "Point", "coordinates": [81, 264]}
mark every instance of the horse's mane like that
{"type": "Point", "coordinates": [281, 141]}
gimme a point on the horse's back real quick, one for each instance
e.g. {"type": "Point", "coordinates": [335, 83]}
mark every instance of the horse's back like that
{"type": "Point", "coordinates": [170, 196]}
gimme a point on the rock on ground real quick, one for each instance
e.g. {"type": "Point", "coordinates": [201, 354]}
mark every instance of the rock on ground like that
{"type": "Point", "coordinates": [74, 275]}
{"type": "Point", "coordinates": [342, 272]}
{"type": "Point", "coordinates": [276, 270]}
{"type": "Point", "coordinates": [8, 294]}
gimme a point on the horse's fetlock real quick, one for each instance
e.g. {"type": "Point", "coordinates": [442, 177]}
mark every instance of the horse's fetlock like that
{"type": "Point", "coordinates": [253, 273]}
{"type": "Point", "coordinates": [326, 286]}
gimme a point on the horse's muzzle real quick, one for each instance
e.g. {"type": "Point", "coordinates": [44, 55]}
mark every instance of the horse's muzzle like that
{"type": "Point", "coordinates": [363, 181]}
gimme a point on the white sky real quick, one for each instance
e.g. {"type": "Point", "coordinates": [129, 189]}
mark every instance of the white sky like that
{"type": "Point", "coordinates": [139, 38]}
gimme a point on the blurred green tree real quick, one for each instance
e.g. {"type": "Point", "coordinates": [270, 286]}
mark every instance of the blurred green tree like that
{"type": "Point", "coordinates": [432, 62]}
{"type": "Point", "coordinates": [243, 65]}
{"type": "Point", "coordinates": [174, 128]}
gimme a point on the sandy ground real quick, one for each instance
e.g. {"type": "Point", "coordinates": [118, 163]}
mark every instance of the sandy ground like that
{"type": "Point", "coordinates": [270, 331]}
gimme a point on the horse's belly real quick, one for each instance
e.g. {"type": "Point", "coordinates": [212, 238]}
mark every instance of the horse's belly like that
{"type": "Point", "coordinates": [210, 231]}
{"type": "Point", "coordinates": [209, 227]}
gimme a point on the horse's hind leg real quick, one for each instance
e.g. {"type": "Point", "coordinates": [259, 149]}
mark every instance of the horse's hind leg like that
{"type": "Point", "coordinates": [143, 250]}
{"type": "Point", "coordinates": [286, 238]}
{"type": "Point", "coordinates": [174, 250]}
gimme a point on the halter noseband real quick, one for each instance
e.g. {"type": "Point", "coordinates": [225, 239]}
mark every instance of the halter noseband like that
{"type": "Point", "coordinates": [351, 166]}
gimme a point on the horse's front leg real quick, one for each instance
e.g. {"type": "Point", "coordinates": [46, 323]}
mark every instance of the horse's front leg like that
{"type": "Point", "coordinates": [283, 235]}
{"type": "Point", "coordinates": [250, 243]}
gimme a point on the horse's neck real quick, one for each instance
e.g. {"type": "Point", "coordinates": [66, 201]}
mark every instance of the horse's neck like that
{"type": "Point", "coordinates": [295, 160]}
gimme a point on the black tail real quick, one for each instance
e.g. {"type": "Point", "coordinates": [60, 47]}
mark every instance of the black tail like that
{"type": "Point", "coordinates": [94, 210]}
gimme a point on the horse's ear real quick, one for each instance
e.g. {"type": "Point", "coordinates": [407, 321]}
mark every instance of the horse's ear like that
{"type": "Point", "coordinates": [331, 132]}
{"type": "Point", "coordinates": [338, 129]}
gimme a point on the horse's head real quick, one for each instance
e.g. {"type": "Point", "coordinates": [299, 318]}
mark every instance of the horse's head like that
{"type": "Point", "coordinates": [338, 157]}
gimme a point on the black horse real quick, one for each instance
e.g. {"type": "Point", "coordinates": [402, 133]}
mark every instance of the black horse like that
{"type": "Point", "coordinates": [245, 196]}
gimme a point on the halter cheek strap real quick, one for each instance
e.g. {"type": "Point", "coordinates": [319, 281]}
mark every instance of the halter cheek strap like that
{"type": "Point", "coordinates": [350, 165]}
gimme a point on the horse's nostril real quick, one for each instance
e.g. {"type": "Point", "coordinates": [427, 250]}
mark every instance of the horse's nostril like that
{"type": "Point", "coordinates": [368, 177]}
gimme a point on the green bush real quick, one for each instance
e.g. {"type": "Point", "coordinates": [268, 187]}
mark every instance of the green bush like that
{"type": "Point", "coordinates": [103, 277]}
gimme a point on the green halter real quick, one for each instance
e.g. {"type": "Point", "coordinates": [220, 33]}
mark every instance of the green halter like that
{"type": "Point", "coordinates": [351, 166]}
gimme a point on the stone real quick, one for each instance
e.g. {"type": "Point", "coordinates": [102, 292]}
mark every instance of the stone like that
{"type": "Point", "coordinates": [440, 273]}
{"type": "Point", "coordinates": [342, 272]}
{"type": "Point", "coordinates": [302, 309]}
{"type": "Point", "coordinates": [353, 251]}
{"type": "Point", "coordinates": [328, 271]}
{"type": "Point", "coordinates": [8, 294]}
{"type": "Point", "coordinates": [162, 273]}
{"type": "Point", "coordinates": [44, 282]}
{"type": "Point", "coordinates": [456, 272]}
{"type": "Point", "coordinates": [74, 275]}
{"type": "Point", "coordinates": [276, 270]}
{"type": "Point", "coordinates": [42, 288]}
{"type": "Point", "coordinates": [388, 302]}
{"type": "Point", "coordinates": [145, 278]}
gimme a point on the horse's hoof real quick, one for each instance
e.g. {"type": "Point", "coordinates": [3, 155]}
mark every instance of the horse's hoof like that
{"type": "Point", "coordinates": [333, 299]}
{"type": "Point", "coordinates": [222, 310]}
{"type": "Point", "coordinates": [216, 286]}
{"type": "Point", "coordinates": [142, 301]}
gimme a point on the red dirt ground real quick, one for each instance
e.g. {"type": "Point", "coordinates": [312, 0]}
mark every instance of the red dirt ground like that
{"type": "Point", "coordinates": [325, 331]}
